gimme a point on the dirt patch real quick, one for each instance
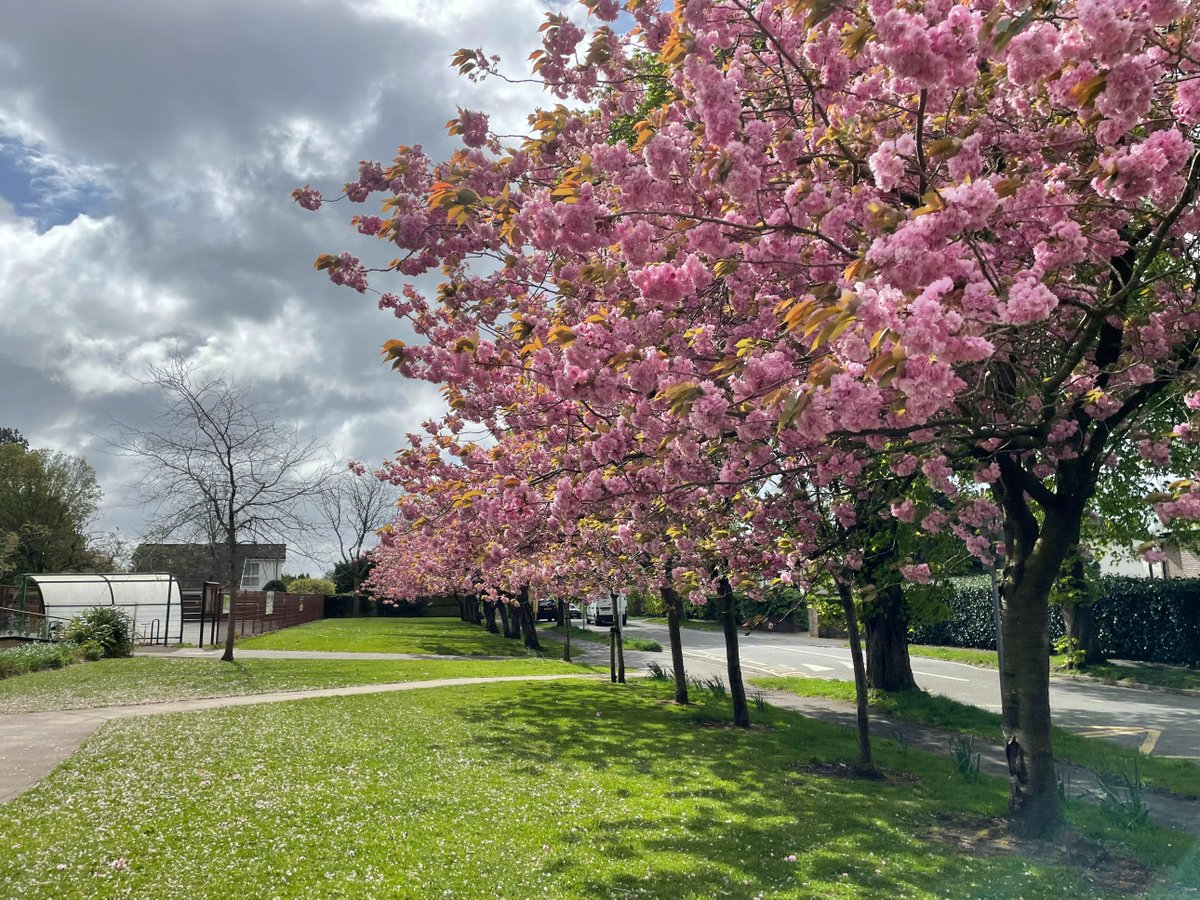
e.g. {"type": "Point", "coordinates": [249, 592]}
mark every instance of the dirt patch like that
{"type": "Point", "coordinates": [1099, 866]}
{"type": "Point", "coordinates": [845, 770]}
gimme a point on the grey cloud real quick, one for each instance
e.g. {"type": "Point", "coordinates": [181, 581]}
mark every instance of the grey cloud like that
{"type": "Point", "coordinates": [197, 119]}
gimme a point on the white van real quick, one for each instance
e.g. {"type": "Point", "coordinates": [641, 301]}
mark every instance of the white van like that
{"type": "Point", "coordinates": [599, 610]}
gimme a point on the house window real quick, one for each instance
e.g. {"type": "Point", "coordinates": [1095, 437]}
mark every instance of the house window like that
{"type": "Point", "coordinates": [251, 578]}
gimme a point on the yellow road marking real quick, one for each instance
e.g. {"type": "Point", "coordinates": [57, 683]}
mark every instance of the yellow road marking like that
{"type": "Point", "coordinates": [1149, 742]}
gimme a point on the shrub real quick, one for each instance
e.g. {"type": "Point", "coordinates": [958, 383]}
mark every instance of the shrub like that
{"type": "Point", "coordinates": [275, 584]}
{"type": "Point", "coordinates": [642, 644]}
{"type": "Point", "coordinates": [320, 586]}
{"type": "Point", "coordinates": [33, 657]}
{"type": "Point", "coordinates": [108, 626]}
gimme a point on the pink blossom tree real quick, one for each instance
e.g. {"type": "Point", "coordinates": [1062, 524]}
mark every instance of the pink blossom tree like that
{"type": "Point", "coordinates": [961, 229]}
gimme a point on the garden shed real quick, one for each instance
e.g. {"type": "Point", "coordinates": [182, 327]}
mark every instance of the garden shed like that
{"type": "Point", "coordinates": [152, 600]}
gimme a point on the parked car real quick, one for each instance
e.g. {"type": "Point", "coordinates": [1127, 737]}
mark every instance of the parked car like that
{"type": "Point", "coordinates": [576, 612]}
{"type": "Point", "coordinates": [599, 610]}
{"type": "Point", "coordinates": [547, 610]}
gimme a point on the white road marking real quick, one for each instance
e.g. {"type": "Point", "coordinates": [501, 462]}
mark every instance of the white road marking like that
{"type": "Point", "coordinates": [935, 675]}
{"type": "Point", "coordinates": [817, 668]}
{"type": "Point", "coordinates": [838, 656]}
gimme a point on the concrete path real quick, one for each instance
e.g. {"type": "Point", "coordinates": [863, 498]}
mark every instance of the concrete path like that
{"type": "Point", "coordinates": [33, 744]}
{"type": "Point", "coordinates": [239, 653]}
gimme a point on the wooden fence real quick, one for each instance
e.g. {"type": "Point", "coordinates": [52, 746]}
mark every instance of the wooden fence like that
{"type": "Point", "coordinates": [258, 614]}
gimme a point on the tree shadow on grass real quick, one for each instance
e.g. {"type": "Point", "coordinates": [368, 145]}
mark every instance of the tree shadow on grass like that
{"type": "Point", "coordinates": [698, 811]}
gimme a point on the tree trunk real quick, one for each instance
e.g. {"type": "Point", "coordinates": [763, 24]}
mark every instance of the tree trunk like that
{"type": "Point", "coordinates": [462, 607]}
{"type": "Point", "coordinates": [508, 619]}
{"type": "Point", "coordinates": [1079, 612]}
{"type": "Point", "coordinates": [525, 616]}
{"type": "Point", "coordinates": [674, 607]}
{"type": "Point", "coordinates": [564, 615]}
{"type": "Point", "coordinates": [1025, 704]}
{"type": "Point", "coordinates": [233, 575]}
{"type": "Point", "coordinates": [886, 625]}
{"type": "Point", "coordinates": [1035, 553]}
{"type": "Point", "coordinates": [620, 636]}
{"type": "Point", "coordinates": [737, 690]}
{"type": "Point", "coordinates": [1084, 630]}
{"type": "Point", "coordinates": [489, 614]}
{"type": "Point", "coordinates": [865, 764]}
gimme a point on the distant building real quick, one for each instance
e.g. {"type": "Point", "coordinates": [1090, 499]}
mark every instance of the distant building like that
{"type": "Point", "coordinates": [194, 564]}
{"type": "Point", "coordinates": [1176, 561]}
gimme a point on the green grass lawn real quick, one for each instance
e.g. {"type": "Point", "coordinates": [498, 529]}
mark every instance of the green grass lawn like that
{"type": "Point", "coordinates": [585, 790]}
{"type": "Point", "coordinates": [985, 659]}
{"type": "Point", "coordinates": [1160, 676]}
{"type": "Point", "coordinates": [149, 679]}
{"type": "Point", "coordinates": [599, 635]}
{"type": "Point", "coordinates": [1132, 673]}
{"type": "Point", "coordinates": [1178, 775]}
{"type": "Point", "coordinates": [438, 636]}
{"type": "Point", "coordinates": [697, 624]}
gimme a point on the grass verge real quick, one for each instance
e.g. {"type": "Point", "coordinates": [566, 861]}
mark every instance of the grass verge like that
{"type": "Point", "coordinates": [435, 636]}
{"type": "Point", "coordinates": [1158, 676]}
{"type": "Point", "coordinates": [1132, 673]}
{"type": "Point", "coordinates": [600, 636]}
{"type": "Point", "coordinates": [984, 659]}
{"type": "Point", "coordinates": [511, 790]}
{"type": "Point", "coordinates": [1179, 776]}
{"type": "Point", "coordinates": [695, 624]}
{"type": "Point", "coordinates": [148, 679]}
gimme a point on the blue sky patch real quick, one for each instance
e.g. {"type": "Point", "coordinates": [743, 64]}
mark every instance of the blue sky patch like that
{"type": "Point", "coordinates": [46, 190]}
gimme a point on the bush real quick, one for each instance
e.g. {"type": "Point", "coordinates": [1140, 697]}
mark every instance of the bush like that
{"type": "Point", "coordinates": [642, 644]}
{"type": "Point", "coordinates": [108, 626]}
{"type": "Point", "coordinates": [275, 584]}
{"type": "Point", "coordinates": [34, 657]}
{"type": "Point", "coordinates": [320, 586]}
{"type": "Point", "coordinates": [1151, 620]}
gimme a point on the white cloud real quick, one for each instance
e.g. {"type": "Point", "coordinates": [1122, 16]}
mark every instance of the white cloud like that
{"type": "Point", "coordinates": [196, 120]}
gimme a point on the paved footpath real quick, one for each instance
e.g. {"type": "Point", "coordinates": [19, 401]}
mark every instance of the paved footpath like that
{"type": "Point", "coordinates": [33, 744]}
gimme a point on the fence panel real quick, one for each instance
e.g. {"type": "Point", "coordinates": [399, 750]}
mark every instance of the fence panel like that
{"type": "Point", "coordinates": [256, 616]}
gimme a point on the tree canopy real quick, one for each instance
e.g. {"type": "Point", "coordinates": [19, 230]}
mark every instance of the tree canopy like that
{"type": "Point", "coordinates": [768, 272]}
{"type": "Point", "coordinates": [47, 500]}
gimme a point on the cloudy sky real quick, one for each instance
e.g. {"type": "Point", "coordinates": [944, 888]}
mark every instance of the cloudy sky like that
{"type": "Point", "coordinates": [147, 155]}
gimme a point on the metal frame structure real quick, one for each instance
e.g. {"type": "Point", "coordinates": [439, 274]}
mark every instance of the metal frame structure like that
{"type": "Point", "coordinates": [157, 595]}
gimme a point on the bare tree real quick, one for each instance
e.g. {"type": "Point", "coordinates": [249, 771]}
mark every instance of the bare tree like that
{"type": "Point", "coordinates": [216, 466]}
{"type": "Point", "coordinates": [355, 507]}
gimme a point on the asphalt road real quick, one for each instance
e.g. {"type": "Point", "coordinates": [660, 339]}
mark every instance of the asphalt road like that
{"type": "Point", "coordinates": [1159, 723]}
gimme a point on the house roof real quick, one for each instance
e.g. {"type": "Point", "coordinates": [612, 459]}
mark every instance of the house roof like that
{"type": "Point", "coordinates": [194, 564]}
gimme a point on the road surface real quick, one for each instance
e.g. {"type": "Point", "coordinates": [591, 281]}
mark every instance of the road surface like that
{"type": "Point", "coordinates": [1159, 723]}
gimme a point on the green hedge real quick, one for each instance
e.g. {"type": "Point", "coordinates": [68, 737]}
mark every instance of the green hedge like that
{"type": "Point", "coordinates": [1152, 620]}
{"type": "Point", "coordinates": [1155, 620]}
